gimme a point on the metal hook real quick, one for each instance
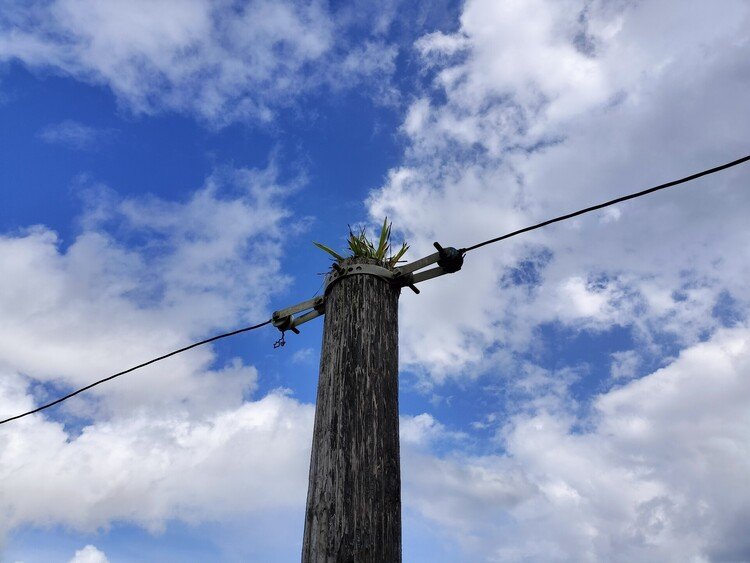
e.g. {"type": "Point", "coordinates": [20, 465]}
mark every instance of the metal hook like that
{"type": "Point", "coordinates": [280, 342]}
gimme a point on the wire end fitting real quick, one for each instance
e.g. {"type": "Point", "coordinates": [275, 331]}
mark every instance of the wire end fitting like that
{"type": "Point", "coordinates": [451, 260]}
{"type": "Point", "coordinates": [284, 324]}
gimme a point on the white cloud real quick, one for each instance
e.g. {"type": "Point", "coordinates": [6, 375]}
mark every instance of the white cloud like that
{"type": "Point", "coordinates": [548, 107]}
{"type": "Point", "coordinates": [534, 60]}
{"type": "Point", "coordinates": [74, 314]}
{"type": "Point", "coordinates": [221, 60]}
{"type": "Point", "coordinates": [303, 356]}
{"type": "Point", "coordinates": [89, 554]}
{"type": "Point", "coordinates": [537, 109]}
{"type": "Point", "coordinates": [466, 496]}
{"type": "Point", "coordinates": [75, 135]}
{"type": "Point", "coordinates": [542, 107]}
{"type": "Point", "coordinates": [656, 472]}
{"type": "Point", "coordinates": [178, 440]}
{"type": "Point", "coordinates": [148, 469]}
{"type": "Point", "coordinates": [422, 430]}
{"type": "Point", "coordinates": [624, 364]}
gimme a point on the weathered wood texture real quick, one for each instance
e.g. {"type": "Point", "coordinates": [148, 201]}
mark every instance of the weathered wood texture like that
{"type": "Point", "coordinates": [354, 496]}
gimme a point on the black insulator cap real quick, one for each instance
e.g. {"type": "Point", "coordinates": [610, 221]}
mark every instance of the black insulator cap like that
{"type": "Point", "coordinates": [451, 259]}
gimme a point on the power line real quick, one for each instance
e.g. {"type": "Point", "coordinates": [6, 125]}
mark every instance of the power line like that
{"type": "Point", "coordinates": [608, 203]}
{"type": "Point", "coordinates": [462, 251]}
{"type": "Point", "coordinates": [139, 366]}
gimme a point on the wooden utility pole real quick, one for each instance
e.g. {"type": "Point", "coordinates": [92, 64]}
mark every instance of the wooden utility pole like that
{"type": "Point", "coordinates": [354, 497]}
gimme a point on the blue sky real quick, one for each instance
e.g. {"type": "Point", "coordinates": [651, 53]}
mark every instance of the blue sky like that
{"type": "Point", "coordinates": [576, 394]}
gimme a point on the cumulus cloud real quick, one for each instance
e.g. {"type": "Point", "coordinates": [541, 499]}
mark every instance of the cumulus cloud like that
{"type": "Point", "coordinates": [223, 61]}
{"type": "Point", "coordinates": [533, 109]}
{"type": "Point", "coordinates": [422, 431]}
{"type": "Point", "coordinates": [656, 471]}
{"type": "Point", "coordinates": [148, 469]}
{"type": "Point", "coordinates": [540, 108]}
{"type": "Point", "coordinates": [76, 312]}
{"type": "Point", "coordinates": [182, 440]}
{"type": "Point", "coordinates": [547, 107]}
{"type": "Point", "coordinates": [89, 554]}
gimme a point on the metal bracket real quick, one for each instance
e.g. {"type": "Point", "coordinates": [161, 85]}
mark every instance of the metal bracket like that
{"type": "Point", "coordinates": [340, 272]}
{"type": "Point", "coordinates": [284, 319]}
{"type": "Point", "coordinates": [449, 260]}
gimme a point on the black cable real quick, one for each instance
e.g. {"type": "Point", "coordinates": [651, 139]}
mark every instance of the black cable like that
{"type": "Point", "coordinates": [462, 251]}
{"type": "Point", "coordinates": [139, 366]}
{"type": "Point", "coordinates": [607, 203]}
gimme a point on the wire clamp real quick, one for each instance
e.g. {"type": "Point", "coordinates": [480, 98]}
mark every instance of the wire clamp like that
{"type": "Point", "coordinates": [449, 260]}
{"type": "Point", "coordinates": [284, 319]}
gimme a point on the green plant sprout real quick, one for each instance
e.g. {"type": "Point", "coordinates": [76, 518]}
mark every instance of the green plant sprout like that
{"type": "Point", "coordinates": [362, 247]}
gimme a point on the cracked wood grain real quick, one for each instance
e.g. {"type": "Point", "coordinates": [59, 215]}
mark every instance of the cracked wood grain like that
{"type": "Point", "coordinates": [354, 497]}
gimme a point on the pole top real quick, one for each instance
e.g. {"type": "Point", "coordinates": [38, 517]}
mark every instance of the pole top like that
{"type": "Point", "coordinates": [356, 266]}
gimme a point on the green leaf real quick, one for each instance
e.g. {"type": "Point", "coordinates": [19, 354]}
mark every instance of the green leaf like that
{"type": "Point", "coordinates": [354, 244]}
{"type": "Point", "coordinates": [369, 249]}
{"type": "Point", "coordinates": [330, 251]}
{"type": "Point", "coordinates": [361, 246]}
{"type": "Point", "coordinates": [394, 259]}
{"type": "Point", "coordinates": [352, 241]}
{"type": "Point", "coordinates": [383, 244]}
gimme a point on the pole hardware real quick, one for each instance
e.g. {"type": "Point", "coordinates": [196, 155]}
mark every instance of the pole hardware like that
{"type": "Point", "coordinates": [451, 259]}
{"type": "Point", "coordinates": [284, 319]}
{"type": "Point", "coordinates": [340, 272]}
{"type": "Point", "coordinates": [448, 260]}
